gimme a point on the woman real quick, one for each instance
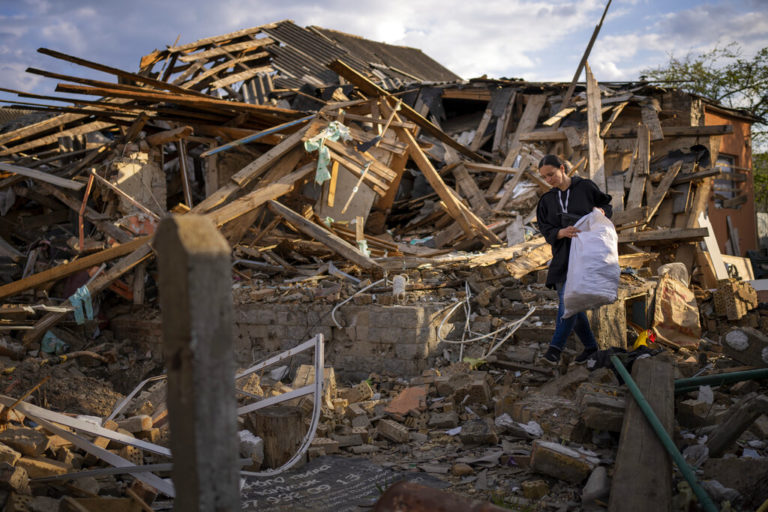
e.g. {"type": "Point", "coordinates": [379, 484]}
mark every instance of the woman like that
{"type": "Point", "coordinates": [569, 199]}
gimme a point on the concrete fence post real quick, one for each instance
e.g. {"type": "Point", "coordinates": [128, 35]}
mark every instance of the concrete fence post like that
{"type": "Point", "coordinates": [196, 305]}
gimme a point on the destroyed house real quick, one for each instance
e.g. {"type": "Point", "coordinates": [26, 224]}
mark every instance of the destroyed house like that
{"type": "Point", "coordinates": [367, 201]}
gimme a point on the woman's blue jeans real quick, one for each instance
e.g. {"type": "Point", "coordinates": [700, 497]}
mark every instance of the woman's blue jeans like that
{"type": "Point", "coordinates": [564, 326]}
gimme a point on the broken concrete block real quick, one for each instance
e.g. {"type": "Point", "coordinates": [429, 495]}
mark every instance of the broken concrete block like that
{"type": "Point", "coordinates": [13, 478]}
{"type": "Point", "coordinates": [9, 455]}
{"type": "Point", "coordinates": [28, 441]}
{"type": "Point", "coordinates": [38, 467]}
{"type": "Point", "coordinates": [329, 446]}
{"type": "Point", "coordinates": [143, 180]}
{"type": "Point", "coordinates": [358, 393]}
{"type": "Point", "coordinates": [409, 399]}
{"type": "Point", "coordinates": [461, 469]}
{"type": "Point", "coordinates": [477, 432]}
{"type": "Point", "coordinates": [346, 440]}
{"type": "Point", "coordinates": [305, 376]}
{"type": "Point", "coordinates": [363, 449]}
{"type": "Point", "coordinates": [598, 486]}
{"type": "Point", "coordinates": [747, 346]}
{"type": "Point", "coordinates": [392, 430]}
{"type": "Point", "coordinates": [479, 391]}
{"type": "Point", "coordinates": [443, 420]}
{"type": "Point", "coordinates": [559, 461]}
{"type": "Point", "coordinates": [760, 427]}
{"type": "Point", "coordinates": [556, 415]}
{"type": "Point", "coordinates": [136, 423]}
{"type": "Point", "coordinates": [694, 413]}
{"type": "Point", "coordinates": [251, 446]}
{"type": "Point", "coordinates": [567, 384]}
{"type": "Point", "coordinates": [443, 385]}
{"type": "Point", "coordinates": [535, 489]}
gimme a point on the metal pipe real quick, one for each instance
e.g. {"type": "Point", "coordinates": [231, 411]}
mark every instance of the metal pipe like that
{"type": "Point", "coordinates": [682, 385]}
{"type": "Point", "coordinates": [255, 136]}
{"type": "Point", "coordinates": [666, 440]}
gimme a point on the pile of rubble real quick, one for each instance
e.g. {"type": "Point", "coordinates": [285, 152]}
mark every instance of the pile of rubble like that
{"type": "Point", "coordinates": [342, 174]}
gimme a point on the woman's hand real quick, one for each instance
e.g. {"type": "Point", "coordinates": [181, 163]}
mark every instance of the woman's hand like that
{"type": "Point", "coordinates": [569, 232]}
{"type": "Point", "coordinates": [599, 209]}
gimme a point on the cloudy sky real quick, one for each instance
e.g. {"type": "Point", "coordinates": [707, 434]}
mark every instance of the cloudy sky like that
{"type": "Point", "coordinates": [531, 39]}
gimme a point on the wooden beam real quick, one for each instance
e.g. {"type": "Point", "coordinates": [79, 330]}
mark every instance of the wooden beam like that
{"type": "Point", "coordinates": [42, 176]}
{"type": "Point", "coordinates": [643, 469]}
{"type": "Point", "coordinates": [321, 234]}
{"type": "Point", "coordinates": [372, 89]}
{"type": "Point", "coordinates": [256, 198]}
{"type": "Point", "coordinates": [664, 235]}
{"type": "Point", "coordinates": [628, 132]}
{"type": "Point", "coordinates": [250, 45]}
{"type": "Point", "coordinates": [640, 168]}
{"type": "Point", "coordinates": [131, 77]}
{"type": "Point", "coordinates": [584, 57]}
{"type": "Point", "coordinates": [68, 269]}
{"type": "Point", "coordinates": [491, 168]}
{"type": "Point", "coordinates": [166, 136]}
{"type": "Point", "coordinates": [471, 191]}
{"type": "Point", "coordinates": [93, 126]}
{"type": "Point", "coordinates": [480, 131]}
{"type": "Point", "coordinates": [594, 119]}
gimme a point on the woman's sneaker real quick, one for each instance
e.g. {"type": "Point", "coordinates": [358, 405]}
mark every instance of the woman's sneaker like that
{"type": "Point", "coordinates": [551, 357]}
{"type": "Point", "coordinates": [584, 356]}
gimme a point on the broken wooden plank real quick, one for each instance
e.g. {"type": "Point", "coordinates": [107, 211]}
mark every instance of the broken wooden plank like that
{"type": "Point", "coordinates": [673, 131]}
{"type": "Point", "coordinates": [649, 112]}
{"type": "Point", "coordinates": [481, 128]}
{"type": "Point", "coordinates": [617, 110]}
{"type": "Point", "coordinates": [738, 419]}
{"type": "Point", "coordinates": [68, 269]}
{"type": "Point", "coordinates": [93, 126]}
{"type": "Point", "coordinates": [615, 186]}
{"type": "Point", "coordinates": [594, 119]}
{"type": "Point", "coordinates": [256, 198]}
{"type": "Point", "coordinates": [643, 468]}
{"type": "Point", "coordinates": [664, 235]}
{"type": "Point", "coordinates": [166, 136]}
{"type": "Point", "coordinates": [322, 235]}
{"type": "Point", "coordinates": [640, 168]}
{"type": "Point", "coordinates": [251, 45]}
{"type": "Point", "coordinates": [471, 191]}
{"type": "Point", "coordinates": [42, 176]}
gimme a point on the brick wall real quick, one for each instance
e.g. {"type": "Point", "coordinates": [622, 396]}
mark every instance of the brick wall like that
{"type": "Point", "coordinates": [397, 340]}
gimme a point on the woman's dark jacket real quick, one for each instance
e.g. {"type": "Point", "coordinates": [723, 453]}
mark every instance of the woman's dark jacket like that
{"type": "Point", "coordinates": [584, 195]}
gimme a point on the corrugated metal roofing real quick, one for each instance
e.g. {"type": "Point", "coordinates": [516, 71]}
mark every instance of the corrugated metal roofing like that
{"type": "Point", "coordinates": [402, 58]}
{"type": "Point", "coordinates": [307, 54]}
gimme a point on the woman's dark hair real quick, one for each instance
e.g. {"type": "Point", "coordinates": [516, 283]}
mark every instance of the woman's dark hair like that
{"type": "Point", "coordinates": [552, 160]}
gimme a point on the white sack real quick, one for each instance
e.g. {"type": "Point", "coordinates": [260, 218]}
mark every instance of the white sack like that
{"type": "Point", "coordinates": [593, 266]}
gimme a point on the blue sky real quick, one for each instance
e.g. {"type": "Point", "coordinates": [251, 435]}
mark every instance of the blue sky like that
{"type": "Point", "coordinates": [531, 39]}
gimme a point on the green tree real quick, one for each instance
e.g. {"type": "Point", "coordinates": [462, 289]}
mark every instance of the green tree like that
{"type": "Point", "coordinates": [725, 75]}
